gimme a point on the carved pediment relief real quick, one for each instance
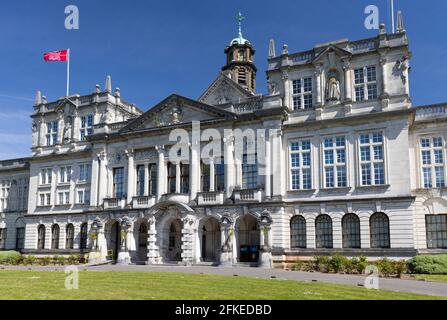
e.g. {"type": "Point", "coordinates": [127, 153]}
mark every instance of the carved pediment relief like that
{"type": "Point", "coordinates": [224, 90]}
{"type": "Point", "coordinates": [176, 110]}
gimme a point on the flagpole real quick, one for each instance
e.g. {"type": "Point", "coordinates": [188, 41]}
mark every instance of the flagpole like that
{"type": "Point", "coordinates": [68, 73]}
{"type": "Point", "coordinates": [392, 16]}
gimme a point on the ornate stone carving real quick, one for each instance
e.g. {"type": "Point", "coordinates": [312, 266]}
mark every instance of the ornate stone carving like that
{"type": "Point", "coordinates": [333, 93]}
{"type": "Point", "coordinates": [146, 154]}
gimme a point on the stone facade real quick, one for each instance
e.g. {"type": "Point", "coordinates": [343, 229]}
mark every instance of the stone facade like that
{"type": "Point", "coordinates": [344, 163]}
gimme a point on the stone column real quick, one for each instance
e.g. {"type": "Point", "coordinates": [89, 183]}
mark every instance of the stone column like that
{"type": "Point", "coordinates": [177, 177]}
{"type": "Point", "coordinates": [277, 165]}
{"type": "Point", "coordinates": [194, 172]}
{"type": "Point", "coordinates": [268, 169]}
{"type": "Point", "coordinates": [123, 254]}
{"type": "Point", "coordinates": [130, 176]}
{"type": "Point", "coordinates": [287, 95]}
{"type": "Point", "coordinates": [146, 179]}
{"type": "Point", "coordinates": [153, 255]}
{"type": "Point", "coordinates": [94, 181]}
{"type": "Point", "coordinates": [265, 258]}
{"type": "Point", "coordinates": [103, 181]}
{"type": "Point", "coordinates": [212, 173]}
{"type": "Point", "coordinates": [161, 172]}
{"type": "Point", "coordinates": [348, 81]}
{"type": "Point", "coordinates": [383, 62]}
{"type": "Point", "coordinates": [229, 165]}
{"type": "Point", "coordinates": [226, 251]}
{"type": "Point", "coordinates": [187, 241]}
{"type": "Point", "coordinates": [318, 85]}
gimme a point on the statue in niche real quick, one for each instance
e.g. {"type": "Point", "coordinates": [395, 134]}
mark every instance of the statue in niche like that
{"type": "Point", "coordinates": [67, 129]}
{"type": "Point", "coordinates": [273, 87]}
{"type": "Point", "coordinates": [333, 87]}
{"type": "Point", "coordinates": [176, 115]}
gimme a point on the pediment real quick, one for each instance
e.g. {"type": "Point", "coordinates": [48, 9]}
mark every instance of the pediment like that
{"type": "Point", "coordinates": [177, 110]}
{"type": "Point", "coordinates": [224, 90]}
{"type": "Point", "coordinates": [331, 52]}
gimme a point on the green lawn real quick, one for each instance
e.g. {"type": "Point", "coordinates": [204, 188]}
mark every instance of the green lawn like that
{"type": "Point", "coordinates": [49, 285]}
{"type": "Point", "coordinates": [432, 277]}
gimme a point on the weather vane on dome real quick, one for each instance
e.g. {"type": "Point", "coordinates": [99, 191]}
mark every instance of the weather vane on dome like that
{"type": "Point", "coordinates": [239, 19]}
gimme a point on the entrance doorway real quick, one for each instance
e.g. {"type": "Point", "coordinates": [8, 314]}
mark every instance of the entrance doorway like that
{"type": "Point", "coordinates": [248, 239]}
{"type": "Point", "coordinates": [174, 241]}
{"type": "Point", "coordinates": [210, 239]}
{"type": "Point", "coordinates": [114, 241]}
{"type": "Point", "coordinates": [142, 242]}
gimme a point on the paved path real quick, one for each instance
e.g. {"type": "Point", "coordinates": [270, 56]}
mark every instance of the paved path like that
{"type": "Point", "coordinates": [413, 286]}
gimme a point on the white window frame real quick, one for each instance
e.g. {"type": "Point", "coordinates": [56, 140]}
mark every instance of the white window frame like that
{"type": "Point", "coordinates": [46, 197]}
{"type": "Point", "coordinates": [301, 167]}
{"type": "Point", "coordinates": [46, 176]}
{"type": "Point", "coordinates": [298, 92]}
{"type": "Point", "coordinates": [432, 165]}
{"type": "Point", "coordinates": [83, 197]}
{"type": "Point", "coordinates": [52, 133]}
{"type": "Point", "coordinates": [65, 174]}
{"type": "Point", "coordinates": [85, 169]}
{"type": "Point", "coordinates": [372, 162]}
{"type": "Point", "coordinates": [86, 129]}
{"type": "Point", "coordinates": [335, 165]}
{"type": "Point", "coordinates": [63, 198]}
{"type": "Point", "coordinates": [366, 83]}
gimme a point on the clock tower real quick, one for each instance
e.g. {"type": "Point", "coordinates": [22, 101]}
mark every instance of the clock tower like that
{"type": "Point", "coordinates": [240, 57]}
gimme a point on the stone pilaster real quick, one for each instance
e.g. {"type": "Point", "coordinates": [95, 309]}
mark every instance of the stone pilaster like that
{"type": "Point", "coordinates": [161, 186]}
{"type": "Point", "coordinates": [130, 176]}
{"type": "Point", "coordinates": [153, 254]}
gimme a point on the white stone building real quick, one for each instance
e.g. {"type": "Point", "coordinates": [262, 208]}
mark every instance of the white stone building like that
{"type": "Point", "coordinates": [344, 163]}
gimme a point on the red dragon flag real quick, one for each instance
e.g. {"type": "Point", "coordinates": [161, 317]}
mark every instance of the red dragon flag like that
{"type": "Point", "coordinates": [56, 56]}
{"type": "Point", "coordinates": [62, 55]}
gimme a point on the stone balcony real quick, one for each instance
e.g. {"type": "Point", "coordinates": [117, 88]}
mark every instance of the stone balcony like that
{"type": "Point", "coordinates": [210, 198]}
{"type": "Point", "coordinates": [114, 203]}
{"type": "Point", "coordinates": [248, 195]}
{"type": "Point", "coordinates": [175, 197]}
{"type": "Point", "coordinates": [142, 202]}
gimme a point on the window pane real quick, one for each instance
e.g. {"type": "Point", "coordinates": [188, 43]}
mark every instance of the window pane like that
{"type": "Point", "coordinates": [323, 228]}
{"type": "Point", "coordinates": [298, 232]}
{"type": "Point", "coordinates": [380, 231]}
{"type": "Point", "coordinates": [351, 231]}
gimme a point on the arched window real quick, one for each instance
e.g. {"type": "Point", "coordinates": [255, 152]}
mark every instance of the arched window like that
{"type": "Point", "coordinates": [83, 244]}
{"type": "Point", "coordinates": [379, 225]}
{"type": "Point", "coordinates": [323, 228]}
{"type": "Point", "coordinates": [298, 232]}
{"type": "Point", "coordinates": [351, 231]}
{"type": "Point", "coordinates": [55, 231]}
{"type": "Point", "coordinates": [41, 237]}
{"type": "Point", "coordinates": [69, 237]}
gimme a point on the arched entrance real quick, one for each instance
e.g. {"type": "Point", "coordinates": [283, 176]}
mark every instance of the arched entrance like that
{"type": "Point", "coordinates": [113, 236]}
{"type": "Point", "coordinates": [142, 242]}
{"type": "Point", "coordinates": [210, 239]}
{"type": "Point", "coordinates": [171, 248]}
{"type": "Point", "coordinates": [248, 239]}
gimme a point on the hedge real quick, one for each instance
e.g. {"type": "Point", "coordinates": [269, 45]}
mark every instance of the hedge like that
{"type": "Point", "coordinates": [428, 264]}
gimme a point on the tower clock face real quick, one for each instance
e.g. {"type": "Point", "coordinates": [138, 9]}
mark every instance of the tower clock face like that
{"type": "Point", "coordinates": [241, 55]}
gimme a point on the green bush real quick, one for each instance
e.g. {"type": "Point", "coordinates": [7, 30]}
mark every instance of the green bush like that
{"type": "Point", "coordinates": [321, 263]}
{"type": "Point", "coordinates": [386, 267]}
{"type": "Point", "coordinates": [45, 261]}
{"type": "Point", "coordinates": [351, 265]}
{"type": "Point", "coordinates": [361, 264]}
{"type": "Point", "coordinates": [74, 259]}
{"type": "Point", "coordinates": [400, 267]}
{"type": "Point", "coordinates": [428, 264]}
{"type": "Point", "coordinates": [297, 266]}
{"type": "Point", "coordinates": [337, 263]}
{"type": "Point", "coordinates": [29, 260]}
{"type": "Point", "coordinates": [10, 257]}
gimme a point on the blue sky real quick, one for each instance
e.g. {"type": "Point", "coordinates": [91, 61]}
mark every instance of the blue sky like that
{"type": "Point", "coordinates": [155, 48]}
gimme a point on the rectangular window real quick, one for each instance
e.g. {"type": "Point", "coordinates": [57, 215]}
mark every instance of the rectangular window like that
{"type": "Point", "coordinates": [86, 127]}
{"type": "Point", "coordinates": [141, 175]}
{"type": "Point", "coordinates": [302, 94]}
{"type": "Point", "coordinates": [249, 171]}
{"type": "Point", "coordinates": [52, 129]}
{"type": "Point", "coordinates": [334, 153]}
{"type": "Point", "coordinates": [372, 161]}
{"type": "Point", "coordinates": [63, 198]}
{"type": "Point", "coordinates": [46, 176]}
{"type": "Point", "coordinates": [205, 177]}
{"type": "Point", "coordinates": [171, 177]}
{"type": "Point", "coordinates": [44, 199]}
{"type": "Point", "coordinates": [301, 165]}
{"type": "Point", "coordinates": [219, 176]}
{"type": "Point", "coordinates": [64, 174]}
{"type": "Point", "coordinates": [436, 227]}
{"type": "Point", "coordinates": [153, 174]}
{"type": "Point", "coordinates": [85, 172]}
{"type": "Point", "coordinates": [432, 162]}
{"type": "Point", "coordinates": [118, 183]}
{"type": "Point", "coordinates": [365, 83]}
{"type": "Point", "coordinates": [184, 178]}
{"type": "Point", "coordinates": [83, 196]}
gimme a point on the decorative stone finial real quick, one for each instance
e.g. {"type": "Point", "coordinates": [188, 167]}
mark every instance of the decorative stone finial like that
{"type": "Point", "coordinates": [109, 84]}
{"type": "Point", "coordinates": [400, 22]}
{"type": "Point", "coordinates": [44, 100]}
{"type": "Point", "coordinates": [285, 49]}
{"type": "Point", "coordinates": [117, 92]}
{"type": "Point", "coordinates": [97, 88]}
{"type": "Point", "coordinates": [272, 51]}
{"type": "Point", "coordinates": [38, 100]}
{"type": "Point", "coordinates": [382, 28]}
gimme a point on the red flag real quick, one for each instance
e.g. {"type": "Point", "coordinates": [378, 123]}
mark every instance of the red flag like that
{"type": "Point", "coordinates": [56, 56]}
